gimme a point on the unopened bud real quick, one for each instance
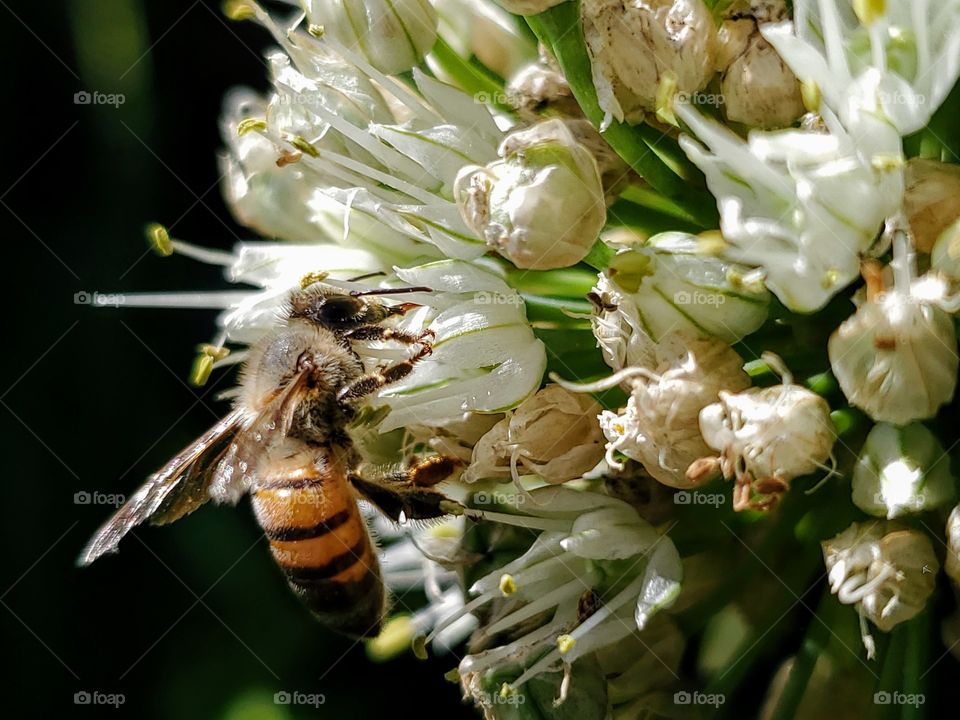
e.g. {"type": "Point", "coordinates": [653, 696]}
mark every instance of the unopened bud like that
{"type": "Point", "coordinates": [541, 206]}
{"type": "Point", "coordinates": [901, 470]}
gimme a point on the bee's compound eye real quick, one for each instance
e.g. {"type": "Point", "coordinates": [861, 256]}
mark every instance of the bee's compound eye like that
{"type": "Point", "coordinates": [337, 309]}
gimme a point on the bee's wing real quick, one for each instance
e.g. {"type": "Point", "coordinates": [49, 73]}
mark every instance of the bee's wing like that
{"type": "Point", "coordinates": [239, 466]}
{"type": "Point", "coordinates": [177, 489]}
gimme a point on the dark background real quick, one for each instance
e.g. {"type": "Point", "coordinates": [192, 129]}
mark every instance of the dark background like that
{"type": "Point", "coordinates": [193, 620]}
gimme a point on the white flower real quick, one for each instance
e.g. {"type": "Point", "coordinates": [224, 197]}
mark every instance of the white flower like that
{"type": "Point", "coordinates": [638, 45]}
{"type": "Point", "coordinates": [372, 158]}
{"type": "Point", "coordinates": [766, 437]}
{"type": "Point", "coordinates": [898, 61]}
{"type": "Point", "coordinates": [896, 357]}
{"type": "Point", "coordinates": [542, 205]}
{"type": "Point", "coordinates": [553, 434]}
{"type": "Point", "coordinates": [420, 558]}
{"type": "Point", "coordinates": [801, 205]}
{"type": "Point", "coordinates": [393, 35]}
{"type": "Point", "coordinates": [901, 470]}
{"type": "Point", "coordinates": [886, 570]}
{"type": "Point", "coordinates": [485, 356]}
{"type": "Point", "coordinates": [658, 428]}
{"type": "Point", "coordinates": [672, 283]}
{"type": "Point", "coordinates": [589, 543]}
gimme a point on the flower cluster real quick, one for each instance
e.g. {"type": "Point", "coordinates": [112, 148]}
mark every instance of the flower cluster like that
{"type": "Point", "coordinates": [670, 206]}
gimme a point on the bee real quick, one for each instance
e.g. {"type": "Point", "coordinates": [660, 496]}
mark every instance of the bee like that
{"type": "Point", "coordinates": [285, 443]}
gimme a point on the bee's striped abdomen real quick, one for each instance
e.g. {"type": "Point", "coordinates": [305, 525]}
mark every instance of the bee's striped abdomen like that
{"type": "Point", "coordinates": [320, 541]}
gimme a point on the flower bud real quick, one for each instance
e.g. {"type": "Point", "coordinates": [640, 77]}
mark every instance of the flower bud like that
{"type": "Point", "coordinates": [757, 86]}
{"type": "Point", "coordinates": [952, 563]}
{"type": "Point", "coordinates": [901, 470]}
{"type": "Point", "coordinates": [553, 434]}
{"type": "Point", "coordinates": [931, 200]}
{"type": "Point", "coordinates": [634, 46]}
{"type": "Point", "coordinates": [766, 437]}
{"type": "Point", "coordinates": [542, 205]}
{"type": "Point", "coordinates": [393, 35]}
{"type": "Point", "coordinates": [896, 357]}
{"type": "Point", "coordinates": [885, 569]}
{"type": "Point", "coordinates": [672, 282]}
{"type": "Point", "coordinates": [658, 428]}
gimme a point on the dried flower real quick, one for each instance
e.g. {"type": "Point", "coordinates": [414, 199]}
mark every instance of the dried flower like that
{"type": "Point", "coordinates": [758, 88]}
{"type": "Point", "coordinates": [553, 434]}
{"type": "Point", "coordinates": [896, 357]}
{"type": "Point", "coordinates": [658, 428]}
{"type": "Point", "coordinates": [766, 437]}
{"type": "Point", "coordinates": [901, 470]}
{"type": "Point", "coordinates": [542, 205]}
{"type": "Point", "coordinates": [638, 45]}
{"type": "Point", "coordinates": [393, 35]}
{"type": "Point", "coordinates": [931, 201]}
{"type": "Point", "coordinates": [539, 87]}
{"type": "Point", "coordinates": [888, 571]}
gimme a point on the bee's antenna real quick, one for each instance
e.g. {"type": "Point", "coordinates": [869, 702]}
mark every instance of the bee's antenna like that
{"type": "Point", "coordinates": [358, 278]}
{"type": "Point", "coordinates": [389, 291]}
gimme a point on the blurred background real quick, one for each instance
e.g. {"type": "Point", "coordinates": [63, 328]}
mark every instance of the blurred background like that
{"type": "Point", "coordinates": [192, 620]}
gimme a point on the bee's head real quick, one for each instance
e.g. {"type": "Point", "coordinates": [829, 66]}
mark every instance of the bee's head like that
{"type": "Point", "coordinates": [340, 311]}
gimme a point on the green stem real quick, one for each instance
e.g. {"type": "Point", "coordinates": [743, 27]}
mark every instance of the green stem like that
{"type": "Point", "coordinates": [813, 645]}
{"type": "Point", "coordinates": [916, 663]}
{"type": "Point", "coordinates": [546, 311]}
{"type": "Point", "coordinates": [652, 154]}
{"type": "Point", "coordinates": [891, 673]}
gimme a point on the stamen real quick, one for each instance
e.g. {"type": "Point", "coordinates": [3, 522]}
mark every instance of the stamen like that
{"type": "Point", "coordinates": [607, 383]}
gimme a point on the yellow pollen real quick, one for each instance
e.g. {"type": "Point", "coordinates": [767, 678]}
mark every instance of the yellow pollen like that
{"type": "Point", "coordinates": [565, 643]}
{"type": "Point", "coordinates": [250, 125]}
{"type": "Point", "coordinates": [159, 239]}
{"type": "Point", "coordinates": [311, 278]}
{"type": "Point", "coordinates": [239, 10]}
{"type": "Point", "coordinates": [508, 586]}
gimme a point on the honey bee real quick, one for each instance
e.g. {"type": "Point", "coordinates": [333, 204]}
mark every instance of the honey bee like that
{"type": "Point", "coordinates": [286, 444]}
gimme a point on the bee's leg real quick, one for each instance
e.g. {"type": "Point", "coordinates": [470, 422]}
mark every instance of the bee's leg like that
{"type": "Point", "coordinates": [363, 386]}
{"type": "Point", "coordinates": [379, 332]}
{"type": "Point", "coordinates": [409, 492]}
